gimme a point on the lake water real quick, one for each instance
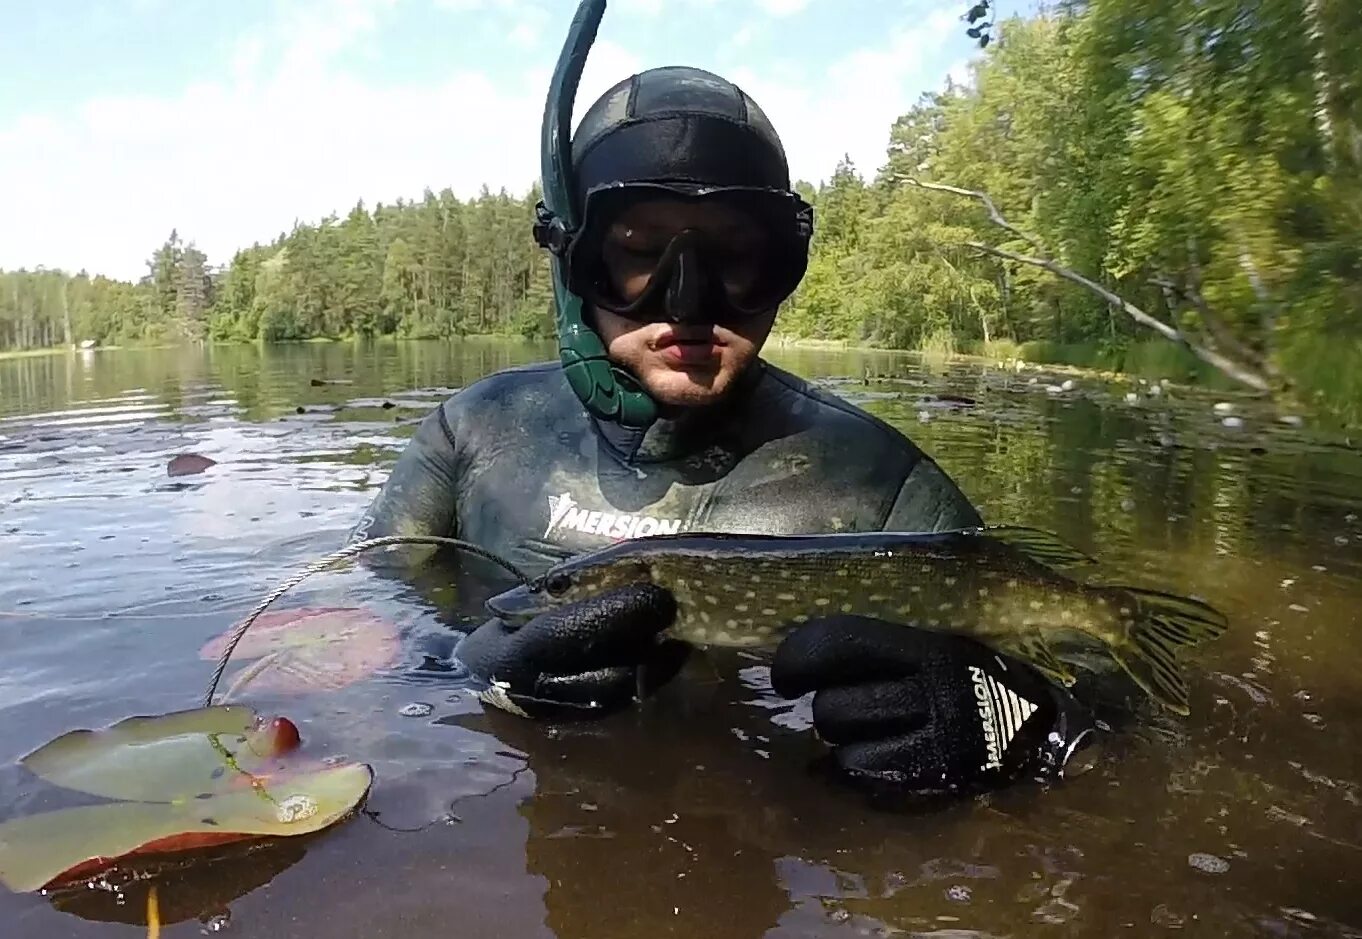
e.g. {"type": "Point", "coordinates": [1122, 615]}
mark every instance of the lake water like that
{"type": "Point", "coordinates": [696, 814]}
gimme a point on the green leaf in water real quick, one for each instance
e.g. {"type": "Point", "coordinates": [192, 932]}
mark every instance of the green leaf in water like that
{"type": "Point", "coordinates": [194, 778]}
{"type": "Point", "coordinates": [158, 759]}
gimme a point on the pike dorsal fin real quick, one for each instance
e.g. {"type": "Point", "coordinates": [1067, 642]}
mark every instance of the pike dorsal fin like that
{"type": "Point", "coordinates": [1038, 545]}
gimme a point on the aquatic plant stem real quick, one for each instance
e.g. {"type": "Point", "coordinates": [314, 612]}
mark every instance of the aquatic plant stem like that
{"type": "Point", "coordinates": [345, 554]}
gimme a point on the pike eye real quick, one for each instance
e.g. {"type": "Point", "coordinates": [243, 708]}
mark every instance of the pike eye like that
{"type": "Point", "coordinates": [557, 584]}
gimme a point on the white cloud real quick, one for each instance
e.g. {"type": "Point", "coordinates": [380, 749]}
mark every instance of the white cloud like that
{"type": "Point", "coordinates": [531, 22]}
{"type": "Point", "coordinates": [850, 107]}
{"type": "Point", "coordinates": [646, 7]}
{"type": "Point", "coordinates": [960, 73]}
{"type": "Point", "coordinates": [285, 133]}
{"type": "Point", "coordinates": [465, 6]}
{"type": "Point", "coordinates": [782, 7]}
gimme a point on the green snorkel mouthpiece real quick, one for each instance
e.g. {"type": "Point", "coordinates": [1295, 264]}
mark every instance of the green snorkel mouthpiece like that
{"type": "Point", "coordinates": [608, 392]}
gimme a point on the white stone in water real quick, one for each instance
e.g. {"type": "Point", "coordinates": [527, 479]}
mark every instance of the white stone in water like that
{"type": "Point", "coordinates": [295, 808]}
{"type": "Point", "coordinates": [1068, 385]}
{"type": "Point", "coordinates": [1131, 397]}
{"type": "Point", "coordinates": [1223, 407]}
{"type": "Point", "coordinates": [415, 709]}
{"type": "Point", "coordinates": [1208, 863]}
{"type": "Point", "coordinates": [1156, 390]}
{"type": "Point", "coordinates": [1232, 422]}
{"type": "Point", "coordinates": [1053, 389]}
{"type": "Point", "coordinates": [216, 923]}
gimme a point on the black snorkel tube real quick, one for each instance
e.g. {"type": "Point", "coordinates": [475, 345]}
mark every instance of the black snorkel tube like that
{"type": "Point", "coordinates": [607, 391]}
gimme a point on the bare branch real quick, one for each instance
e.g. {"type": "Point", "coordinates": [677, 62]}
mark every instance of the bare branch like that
{"type": "Point", "coordinates": [1221, 334]}
{"type": "Point", "coordinates": [1271, 308]}
{"type": "Point", "coordinates": [1233, 369]}
{"type": "Point", "coordinates": [993, 212]}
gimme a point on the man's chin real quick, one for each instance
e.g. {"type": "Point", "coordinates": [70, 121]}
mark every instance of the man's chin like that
{"type": "Point", "coordinates": [688, 389]}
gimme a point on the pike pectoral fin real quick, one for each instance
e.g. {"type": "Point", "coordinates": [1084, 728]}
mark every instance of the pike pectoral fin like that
{"type": "Point", "coordinates": [1038, 545]}
{"type": "Point", "coordinates": [1033, 650]}
{"type": "Point", "coordinates": [1164, 624]}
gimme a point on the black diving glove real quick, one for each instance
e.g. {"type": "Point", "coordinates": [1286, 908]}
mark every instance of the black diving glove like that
{"type": "Point", "coordinates": [584, 658]}
{"type": "Point", "coordinates": [928, 712]}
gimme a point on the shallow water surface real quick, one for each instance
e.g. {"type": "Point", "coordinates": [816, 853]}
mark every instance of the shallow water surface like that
{"type": "Point", "coordinates": [697, 814]}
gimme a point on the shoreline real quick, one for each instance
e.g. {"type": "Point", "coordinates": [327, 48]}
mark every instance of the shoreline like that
{"type": "Point", "coordinates": [1006, 354]}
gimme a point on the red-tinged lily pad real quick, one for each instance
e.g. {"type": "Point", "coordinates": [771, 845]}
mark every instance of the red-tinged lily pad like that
{"type": "Point", "coordinates": [200, 778]}
{"type": "Point", "coordinates": [310, 649]}
{"type": "Point", "coordinates": [188, 464]}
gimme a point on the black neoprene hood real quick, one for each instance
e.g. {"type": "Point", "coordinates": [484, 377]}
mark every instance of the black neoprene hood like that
{"type": "Point", "coordinates": [678, 125]}
{"type": "Point", "coordinates": [682, 128]}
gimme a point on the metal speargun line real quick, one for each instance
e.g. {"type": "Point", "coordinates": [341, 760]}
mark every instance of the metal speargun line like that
{"type": "Point", "coordinates": [345, 554]}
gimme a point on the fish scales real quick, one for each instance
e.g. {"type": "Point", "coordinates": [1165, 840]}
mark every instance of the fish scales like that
{"type": "Point", "coordinates": [957, 591]}
{"type": "Point", "coordinates": [997, 585]}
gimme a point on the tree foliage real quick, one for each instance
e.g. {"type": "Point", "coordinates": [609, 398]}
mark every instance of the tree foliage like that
{"type": "Point", "coordinates": [433, 268]}
{"type": "Point", "coordinates": [1199, 158]}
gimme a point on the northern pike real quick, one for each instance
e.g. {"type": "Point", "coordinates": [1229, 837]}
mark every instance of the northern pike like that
{"type": "Point", "coordinates": [997, 585]}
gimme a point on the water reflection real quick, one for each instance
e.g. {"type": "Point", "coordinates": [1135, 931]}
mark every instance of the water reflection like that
{"type": "Point", "coordinates": [704, 812]}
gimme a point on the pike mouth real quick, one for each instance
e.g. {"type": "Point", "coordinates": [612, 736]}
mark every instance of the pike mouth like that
{"type": "Point", "coordinates": [518, 603]}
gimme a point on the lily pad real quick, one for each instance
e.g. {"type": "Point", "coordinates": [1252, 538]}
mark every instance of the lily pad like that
{"type": "Point", "coordinates": [155, 759]}
{"type": "Point", "coordinates": [188, 464]}
{"type": "Point", "coordinates": [190, 789]}
{"type": "Point", "coordinates": [313, 648]}
{"type": "Point", "coordinates": [191, 885]}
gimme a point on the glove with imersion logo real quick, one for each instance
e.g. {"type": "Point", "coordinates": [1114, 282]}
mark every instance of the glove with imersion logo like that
{"type": "Point", "coordinates": [926, 711]}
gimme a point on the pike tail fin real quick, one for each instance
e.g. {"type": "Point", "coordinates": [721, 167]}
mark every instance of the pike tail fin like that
{"type": "Point", "coordinates": [1163, 625]}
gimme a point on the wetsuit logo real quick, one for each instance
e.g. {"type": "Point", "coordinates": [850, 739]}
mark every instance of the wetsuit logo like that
{"type": "Point", "coordinates": [1001, 713]}
{"type": "Point", "coordinates": [566, 515]}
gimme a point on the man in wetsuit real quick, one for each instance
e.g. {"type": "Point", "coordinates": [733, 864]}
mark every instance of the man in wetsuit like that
{"type": "Point", "coordinates": [675, 237]}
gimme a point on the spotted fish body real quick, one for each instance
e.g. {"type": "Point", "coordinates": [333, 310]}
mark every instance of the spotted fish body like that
{"type": "Point", "coordinates": [995, 585]}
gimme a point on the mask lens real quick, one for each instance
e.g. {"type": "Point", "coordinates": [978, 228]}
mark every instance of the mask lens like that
{"type": "Point", "coordinates": [630, 258]}
{"type": "Point", "coordinates": [740, 247]}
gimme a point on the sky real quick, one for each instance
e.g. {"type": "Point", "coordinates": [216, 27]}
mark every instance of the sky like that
{"type": "Point", "coordinates": [230, 122]}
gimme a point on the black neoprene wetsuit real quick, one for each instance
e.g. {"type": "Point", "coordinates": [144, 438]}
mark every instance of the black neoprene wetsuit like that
{"type": "Point", "coordinates": [515, 464]}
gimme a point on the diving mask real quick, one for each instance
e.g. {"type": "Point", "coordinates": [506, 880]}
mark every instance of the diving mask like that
{"type": "Point", "coordinates": [669, 253]}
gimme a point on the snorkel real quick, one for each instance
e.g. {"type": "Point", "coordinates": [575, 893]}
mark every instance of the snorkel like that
{"type": "Point", "coordinates": [607, 391]}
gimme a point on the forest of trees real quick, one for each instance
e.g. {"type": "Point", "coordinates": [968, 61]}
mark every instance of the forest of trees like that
{"type": "Point", "coordinates": [1201, 159]}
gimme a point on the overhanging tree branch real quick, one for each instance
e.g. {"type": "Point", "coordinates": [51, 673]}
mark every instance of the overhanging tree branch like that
{"type": "Point", "coordinates": [1235, 370]}
{"type": "Point", "coordinates": [993, 212]}
{"type": "Point", "coordinates": [1229, 367]}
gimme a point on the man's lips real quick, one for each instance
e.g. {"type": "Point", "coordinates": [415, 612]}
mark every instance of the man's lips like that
{"type": "Point", "coordinates": [688, 349]}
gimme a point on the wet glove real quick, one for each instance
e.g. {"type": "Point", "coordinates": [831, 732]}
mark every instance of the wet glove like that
{"type": "Point", "coordinates": [926, 711]}
{"type": "Point", "coordinates": [585, 658]}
